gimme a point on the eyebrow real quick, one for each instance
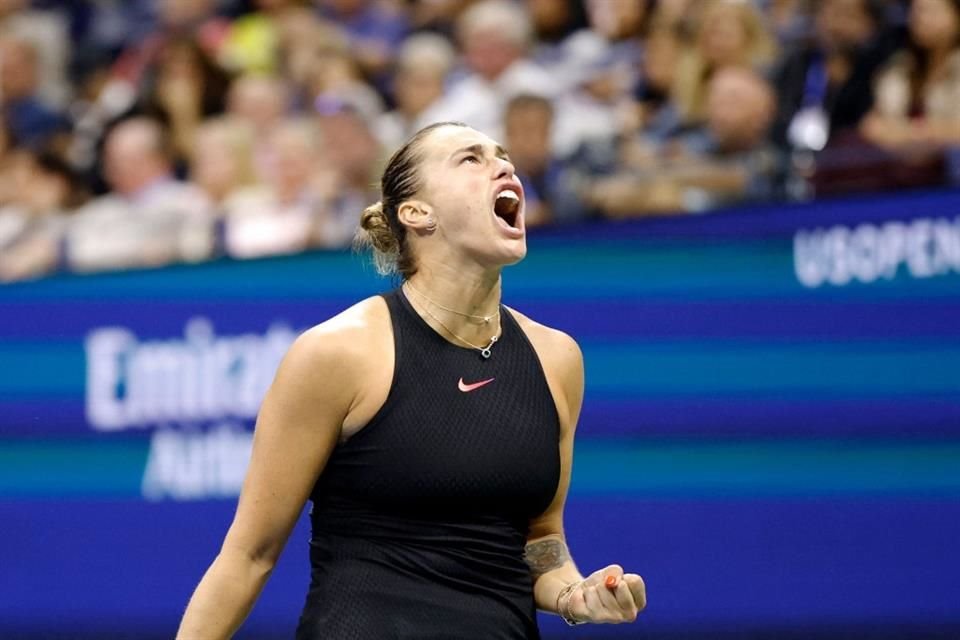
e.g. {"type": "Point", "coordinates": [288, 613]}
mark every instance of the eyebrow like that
{"type": "Point", "coordinates": [478, 150]}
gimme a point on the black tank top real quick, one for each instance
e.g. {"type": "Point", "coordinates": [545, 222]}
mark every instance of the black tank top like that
{"type": "Point", "coordinates": [420, 519]}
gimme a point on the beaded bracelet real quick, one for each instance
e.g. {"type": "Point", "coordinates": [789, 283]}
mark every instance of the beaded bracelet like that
{"type": "Point", "coordinates": [563, 604]}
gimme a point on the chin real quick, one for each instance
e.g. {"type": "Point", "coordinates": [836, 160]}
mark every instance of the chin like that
{"type": "Point", "coordinates": [518, 253]}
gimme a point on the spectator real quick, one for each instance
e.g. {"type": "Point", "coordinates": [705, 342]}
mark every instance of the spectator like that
{"type": "Point", "coordinates": [494, 36]}
{"type": "Point", "coordinates": [286, 213]}
{"type": "Point", "coordinates": [824, 86]}
{"type": "Point", "coordinates": [556, 23]}
{"type": "Point", "coordinates": [350, 160]}
{"type": "Point", "coordinates": [222, 160]}
{"type": "Point", "coordinates": [175, 20]}
{"type": "Point", "coordinates": [31, 122]}
{"type": "Point", "coordinates": [423, 63]}
{"type": "Point", "coordinates": [728, 33]}
{"type": "Point", "coordinates": [305, 40]}
{"type": "Point", "coordinates": [139, 223]}
{"type": "Point", "coordinates": [46, 32]}
{"type": "Point", "coordinates": [32, 223]}
{"type": "Point", "coordinates": [221, 167]}
{"type": "Point", "coordinates": [260, 102]}
{"type": "Point", "coordinates": [186, 86]}
{"type": "Point", "coordinates": [727, 160]}
{"type": "Point", "coordinates": [528, 123]}
{"type": "Point", "coordinates": [655, 113]}
{"type": "Point", "coordinates": [918, 94]}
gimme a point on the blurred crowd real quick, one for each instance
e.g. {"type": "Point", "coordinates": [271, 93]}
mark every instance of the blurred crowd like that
{"type": "Point", "coordinates": [138, 133]}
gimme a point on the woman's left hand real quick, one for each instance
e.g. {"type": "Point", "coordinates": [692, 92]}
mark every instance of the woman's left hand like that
{"type": "Point", "coordinates": [607, 596]}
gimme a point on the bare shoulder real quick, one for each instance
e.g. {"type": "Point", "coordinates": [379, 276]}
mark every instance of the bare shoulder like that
{"type": "Point", "coordinates": [556, 349]}
{"type": "Point", "coordinates": [342, 347]}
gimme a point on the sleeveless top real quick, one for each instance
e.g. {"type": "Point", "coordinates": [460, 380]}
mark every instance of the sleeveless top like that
{"type": "Point", "coordinates": [420, 519]}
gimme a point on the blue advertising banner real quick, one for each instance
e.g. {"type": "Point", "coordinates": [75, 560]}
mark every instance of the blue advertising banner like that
{"type": "Point", "coordinates": [770, 435]}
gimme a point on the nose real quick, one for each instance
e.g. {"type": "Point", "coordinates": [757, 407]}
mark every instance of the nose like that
{"type": "Point", "coordinates": [505, 169]}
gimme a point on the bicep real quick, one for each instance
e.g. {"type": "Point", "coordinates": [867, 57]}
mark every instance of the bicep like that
{"type": "Point", "coordinates": [297, 429]}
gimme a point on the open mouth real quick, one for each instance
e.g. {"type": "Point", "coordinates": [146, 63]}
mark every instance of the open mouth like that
{"type": "Point", "coordinates": [506, 206]}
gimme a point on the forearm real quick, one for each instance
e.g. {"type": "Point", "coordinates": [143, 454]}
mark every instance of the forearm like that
{"type": "Point", "coordinates": [224, 597]}
{"type": "Point", "coordinates": [552, 569]}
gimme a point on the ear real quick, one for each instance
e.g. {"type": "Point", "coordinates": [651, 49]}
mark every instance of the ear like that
{"type": "Point", "coordinates": [417, 215]}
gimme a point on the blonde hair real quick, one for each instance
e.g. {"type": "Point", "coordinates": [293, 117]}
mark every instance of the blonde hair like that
{"type": "Point", "coordinates": [375, 233]}
{"type": "Point", "coordinates": [694, 69]}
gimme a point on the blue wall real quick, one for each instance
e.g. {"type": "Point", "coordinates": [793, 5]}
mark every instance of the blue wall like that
{"type": "Point", "coordinates": [771, 431]}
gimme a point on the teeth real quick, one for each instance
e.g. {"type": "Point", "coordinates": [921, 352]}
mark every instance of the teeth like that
{"type": "Point", "coordinates": [508, 194]}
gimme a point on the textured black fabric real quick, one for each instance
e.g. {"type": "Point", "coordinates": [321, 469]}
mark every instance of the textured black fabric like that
{"type": "Point", "coordinates": [420, 519]}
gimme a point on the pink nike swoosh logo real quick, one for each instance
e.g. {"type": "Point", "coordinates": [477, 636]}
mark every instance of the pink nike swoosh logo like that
{"type": "Point", "coordinates": [470, 387]}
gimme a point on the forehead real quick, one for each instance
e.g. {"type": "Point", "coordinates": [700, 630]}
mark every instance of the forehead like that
{"type": "Point", "coordinates": [443, 142]}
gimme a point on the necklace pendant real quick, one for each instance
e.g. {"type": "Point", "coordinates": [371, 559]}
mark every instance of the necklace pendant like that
{"type": "Point", "coordinates": [485, 352]}
{"type": "Point", "coordinates": [486, 320]}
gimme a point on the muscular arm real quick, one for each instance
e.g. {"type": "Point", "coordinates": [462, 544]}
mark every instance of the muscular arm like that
{"type": "Point", "coordinates": [297, 429]}
{"type": "Point", "coordinates": [607, 594]}
{"type": "Point", "coordinates": [546, 551]}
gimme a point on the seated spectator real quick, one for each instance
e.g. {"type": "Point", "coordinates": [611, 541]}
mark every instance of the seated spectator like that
{"type": "Point", "coordinates": [350, 161]}
{"type": "Point", "coordinates": [557, 24]}
{"type": "Point", "coordinates": [30, 121]}
{"type": "Point", "coordinates": [140, 222]}
{"type": "Point", "coordinates": [305, 39]}
{"type": "Point", "coordinates": [184, 87]}
{"type": "Point", "coordinates": [174, 20]}
{"type": "Point", "coordinates": [728, 160]}
{"type": "Point", "coordinates": [286, 213]}
{"type": "Point", "coordinates": [529, 119]}
{"type": "Point", "coordinates": [33, 221]}
{"type": "Point", "coordinates": [494, 36]}
{"type": "Point", "coordinates": [221, 167]}
{"type": "Point", "coordinates": [597, 92]}
{"type": "Point", "coordinates": [727, 33]}
{"type": "Point", "coordinates": [655, 113]}
{"type": "Point", "coordinates": [824, 85]}
{"type": "Point", "coordinates": [47, 31]}
{"type": "Point", "coordinates": [260, 102]}
{"type": "Point", "coordinates": [422, 66]}
{"type": "Point", "coordinates": [917, 95]}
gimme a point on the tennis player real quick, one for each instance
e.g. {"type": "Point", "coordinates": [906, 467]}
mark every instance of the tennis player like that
{"type": "Point", "coordinates": [431, 427]}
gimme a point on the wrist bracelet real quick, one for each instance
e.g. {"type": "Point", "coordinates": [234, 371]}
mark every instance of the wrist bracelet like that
{"type": "Point", "coordinates": [563, 604]}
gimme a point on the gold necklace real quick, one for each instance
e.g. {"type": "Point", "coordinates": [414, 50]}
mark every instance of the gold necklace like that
{"type": "Point", "coordinates": [485, 319]}
{"type": "Point", "coordinates": [484, 351]}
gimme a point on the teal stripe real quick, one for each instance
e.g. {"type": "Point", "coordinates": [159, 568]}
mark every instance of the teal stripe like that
{"type": "Point", "coordinates": [743, 270]}
{"type": "Point", "coordinates": [625, 468]}
{"type": "Point", "coordinates": [50, 367]}
{"type": "Point", "coordinates": [798, 468]}
{"type": "Point", "coordinates": [666, 367]}
{"type": "Point", "coordinates": [696, 368]}
{"type": "Point", "coordinates": [65, 469]}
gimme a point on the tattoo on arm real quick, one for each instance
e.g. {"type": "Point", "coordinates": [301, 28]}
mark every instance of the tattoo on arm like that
{"type": "Point", "coordinates": [545, 555]}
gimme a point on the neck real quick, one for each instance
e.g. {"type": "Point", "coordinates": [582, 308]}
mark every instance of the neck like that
{"type": "Point", "coordinates": [472, 294]}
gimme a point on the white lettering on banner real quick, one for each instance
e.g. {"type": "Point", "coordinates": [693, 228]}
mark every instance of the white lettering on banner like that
{"type": "Point", "coordinates": [202, 377]}
{"type": "Point", "coordinates": [193, 466]}
{"type": "Point", "coordinates": [200, 393]}
{"type": "Point", "coordinates": [840, 255]}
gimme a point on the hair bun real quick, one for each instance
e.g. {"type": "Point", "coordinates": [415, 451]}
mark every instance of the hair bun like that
{"type": "Point", "coordinates": [376, 232]}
